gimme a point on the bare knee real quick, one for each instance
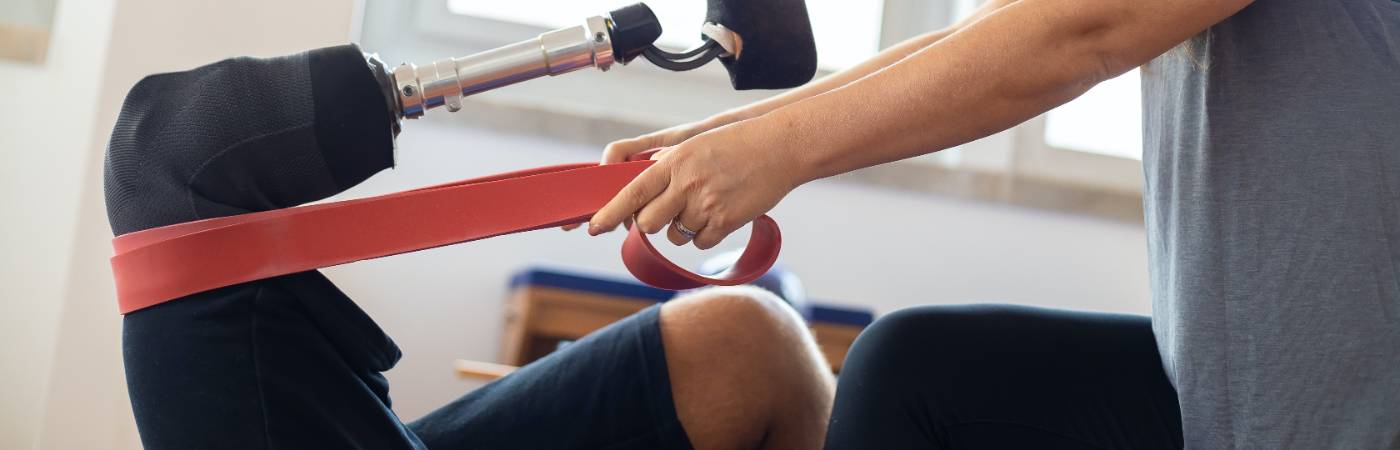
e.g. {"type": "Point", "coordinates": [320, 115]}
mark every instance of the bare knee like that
{"type": "Point", "coordinates": [741, 313]}
{"type": "Point", "coordinates": [745, 371]}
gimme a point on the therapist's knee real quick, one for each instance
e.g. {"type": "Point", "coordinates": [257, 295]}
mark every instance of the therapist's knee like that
{"type": "Point", "coordinates": [923, 333]}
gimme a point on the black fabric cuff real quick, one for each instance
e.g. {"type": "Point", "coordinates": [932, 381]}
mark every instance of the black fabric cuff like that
{"type": "Point", "coordinates": [353, 124]}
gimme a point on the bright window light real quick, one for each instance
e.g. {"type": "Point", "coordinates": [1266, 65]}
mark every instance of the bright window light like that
{"type": "Point", "coordinates": [1106, 120]}
{"type": "Point", "coordinates": [847, 32]}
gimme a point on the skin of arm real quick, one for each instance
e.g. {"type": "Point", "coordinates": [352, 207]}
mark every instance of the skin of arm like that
{"type": "Point", "coordinates": [620, 150]}
{"type": "Point", "coordinates": [881, 60]}
{"type": "Point", "coordinates": [1016, 62]}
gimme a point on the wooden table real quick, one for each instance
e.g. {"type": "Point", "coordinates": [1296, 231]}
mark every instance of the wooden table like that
{"type": "Point", "coordinates": [547, 307]}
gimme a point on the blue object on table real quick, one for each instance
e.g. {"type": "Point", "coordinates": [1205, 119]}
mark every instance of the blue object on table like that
{"type": "Point", "coordinates": [837, 314]}
{"type": "Point", "coordinates": [559, 278]}
{"type": "Point", "coordinates": [777, 280]}
{"type": "Point", "coordinates": [579, 281]}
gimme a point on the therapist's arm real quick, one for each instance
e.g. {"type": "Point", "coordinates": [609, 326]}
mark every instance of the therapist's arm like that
{"type": "Point", "coordinates": [881, 60]}
{"type": "Point", "coordinates": [1013, 65]}
{"type": "Point", "coordinates": [621, 149]}
{"type": "Point", "coordinates": [1017, 62]}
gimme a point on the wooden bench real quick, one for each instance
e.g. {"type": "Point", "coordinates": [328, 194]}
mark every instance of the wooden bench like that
{"type": "Point", "coordinates": [547, 307]}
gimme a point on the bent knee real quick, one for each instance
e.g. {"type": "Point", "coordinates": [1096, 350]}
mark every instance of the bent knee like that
{"type": "Point", "coordinates": [744, 370]}
{"type": "Point", "coordinates": [744, 328]}
{"type": "Point", "coordinates": [935, 323]}
{"type": "Point", "coordinates": [934, 332]}
{"type": "Point", "coordinates": [740, 313]}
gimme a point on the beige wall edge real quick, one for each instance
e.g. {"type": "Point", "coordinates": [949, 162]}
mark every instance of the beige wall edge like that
{"type": "Point", "coordinates": [23, 42]}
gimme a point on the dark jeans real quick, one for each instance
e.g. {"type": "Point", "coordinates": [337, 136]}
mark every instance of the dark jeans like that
{"type": "Point", "coordinates": [994, 376]}
{"type": "Point", "coordinates": [288, 363]}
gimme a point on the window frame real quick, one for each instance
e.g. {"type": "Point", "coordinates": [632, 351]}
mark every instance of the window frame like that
{"type": "Point", "coordinates": [1023, 151]}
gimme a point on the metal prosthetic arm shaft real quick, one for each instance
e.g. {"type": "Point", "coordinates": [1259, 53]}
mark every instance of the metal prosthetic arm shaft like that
{"type": "Point", "coordinates": [446, 81]}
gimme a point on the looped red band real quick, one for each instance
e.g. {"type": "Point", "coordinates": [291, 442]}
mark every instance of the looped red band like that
{"type": "Point", "coordinates": [161, 264]}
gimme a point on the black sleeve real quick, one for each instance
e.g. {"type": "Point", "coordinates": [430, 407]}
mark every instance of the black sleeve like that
{"type": "Point", "coordinates": [243, 135]}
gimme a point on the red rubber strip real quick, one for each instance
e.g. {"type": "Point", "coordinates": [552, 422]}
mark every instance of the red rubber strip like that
{"type": "Point", "coordinates": [161, 264]}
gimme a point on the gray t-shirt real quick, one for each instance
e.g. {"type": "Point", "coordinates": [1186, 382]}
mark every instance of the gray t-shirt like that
{"type": "Point", "coordinates": [1272, 204]}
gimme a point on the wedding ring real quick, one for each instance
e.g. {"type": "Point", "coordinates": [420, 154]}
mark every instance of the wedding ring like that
{"type": "Point", "coordinates": [680, 228]}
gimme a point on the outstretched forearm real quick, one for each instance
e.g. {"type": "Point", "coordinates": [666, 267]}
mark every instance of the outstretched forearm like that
{"type": "Point", "coordinates": [881, 60]}
{"type": "Point", "coordinates": [1019, 61]}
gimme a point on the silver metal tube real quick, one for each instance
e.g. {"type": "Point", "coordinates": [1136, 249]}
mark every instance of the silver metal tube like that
{"type": "Point", "coordinates": [446, 81]}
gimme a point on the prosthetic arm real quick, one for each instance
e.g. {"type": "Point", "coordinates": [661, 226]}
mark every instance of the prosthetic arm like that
{"type": "Point", "coordinates": [764, 45]}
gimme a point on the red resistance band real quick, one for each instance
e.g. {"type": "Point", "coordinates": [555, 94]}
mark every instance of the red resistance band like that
{"type": "Point", "coordinates": [161, 264]}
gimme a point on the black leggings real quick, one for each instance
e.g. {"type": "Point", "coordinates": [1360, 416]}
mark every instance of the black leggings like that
{"type": "Point", "coordinates": [996, 376]}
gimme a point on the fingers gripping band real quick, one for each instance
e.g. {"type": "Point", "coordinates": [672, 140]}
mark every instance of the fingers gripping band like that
{"type": "Point", "coordinates": [161, 264]}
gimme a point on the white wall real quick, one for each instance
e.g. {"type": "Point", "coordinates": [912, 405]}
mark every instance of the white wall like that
{"type": "Point", "coordinates": [850, 244]}
{"type": "Point", "coordinates": [64, 382]}
{"type": "Point", "coordinates": [46, 117]}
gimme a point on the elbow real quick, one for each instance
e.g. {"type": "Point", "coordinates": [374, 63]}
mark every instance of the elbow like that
{"type": "Point", "coordinates": [1088, 46]}
{"type": "Point", "coordinates": [1110, 53]}
{"type": "Point", "coordinates": [1118, 36]}
{"type": "Point", "coordinates": [1102, 51]}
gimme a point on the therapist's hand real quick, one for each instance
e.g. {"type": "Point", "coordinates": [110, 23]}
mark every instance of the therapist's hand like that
{"type": "Point", "coordinates": [712, 183]}
{"type": "Point", "coordinates": [620, 150]}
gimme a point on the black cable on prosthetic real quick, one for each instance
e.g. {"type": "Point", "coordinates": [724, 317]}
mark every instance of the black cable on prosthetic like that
{"type": "Point", "coordinates": [687, 60]}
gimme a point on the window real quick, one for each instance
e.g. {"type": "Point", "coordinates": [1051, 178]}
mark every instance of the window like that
{"type": "Point", "coordinates": [25, 25]}
{"type": "Point", "coordinates": [1094, 140]}
{"type": "Point", "coordinates": [1107, 120]}
{"type": "Point", "coordinates": [846, 32]}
